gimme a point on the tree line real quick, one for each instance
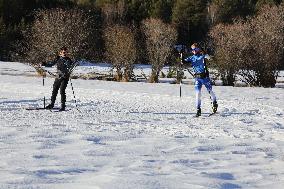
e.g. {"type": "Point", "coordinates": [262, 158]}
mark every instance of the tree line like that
{"type": "Point", "coordinates": [124, 32]}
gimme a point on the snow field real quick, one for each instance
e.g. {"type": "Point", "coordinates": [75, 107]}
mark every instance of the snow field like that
{"type": "Point", "coordinates": [139, 135]}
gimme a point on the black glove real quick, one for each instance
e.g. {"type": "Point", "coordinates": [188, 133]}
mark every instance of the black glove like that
{"type": "Point", "coordinates": [183, 62]}
{"type": "Point", "coordinates": [64, 75]}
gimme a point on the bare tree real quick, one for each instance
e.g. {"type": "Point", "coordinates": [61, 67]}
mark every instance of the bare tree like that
{"type": "Point", "coordinates": [268, 42]}
{"type": "Point", "coordinates": [121, 50]}
{"type": "Point", "coordinates": [160, 39]}
{"type": "Point", "coordinates": [230, 42]}
{"type": "Point", "coordinates": [53, 29]}
{"type": "Point", "coordinates": [251, 48]}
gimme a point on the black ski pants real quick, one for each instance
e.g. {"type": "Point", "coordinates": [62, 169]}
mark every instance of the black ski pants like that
{"type": "Point", "coordinates": [59, 83]}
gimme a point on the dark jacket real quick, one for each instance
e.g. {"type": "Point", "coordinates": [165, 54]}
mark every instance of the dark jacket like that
{"type": "Point", "coordinates": [64, 64]}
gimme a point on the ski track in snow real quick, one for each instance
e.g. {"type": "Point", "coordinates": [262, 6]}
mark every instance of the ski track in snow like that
{"type": "Point", "coordinates": [139, 135]}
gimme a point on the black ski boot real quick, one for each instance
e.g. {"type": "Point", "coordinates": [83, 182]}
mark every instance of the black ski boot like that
{"type": "Point", "coordinates": [49, 107]}
{"type": "Point", "coordinates": [198, 113]}
{"type": "Point", "coordinates": [214, 107]}
{"type": "Point", "coordinates": [62, 108]}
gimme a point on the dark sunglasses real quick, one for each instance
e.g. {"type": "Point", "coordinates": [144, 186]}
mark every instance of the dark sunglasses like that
{"type": "Point", "coordinates": [195, 49]}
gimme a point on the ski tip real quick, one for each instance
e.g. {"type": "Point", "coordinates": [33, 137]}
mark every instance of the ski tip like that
{"type": "Point", "coordinates": [59, 110]}
{"type": "Point", "coordinates": [35, 109]}
{"type": "Point", "coordinates": [211, 114]}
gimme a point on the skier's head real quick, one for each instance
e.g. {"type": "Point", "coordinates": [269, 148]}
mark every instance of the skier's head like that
{"type": "Point", "coordinates": [194, 45]}
{"type": "Point", "coordinates": [195, 49]}
{"type": "Point", "coordinates": [63, 51]}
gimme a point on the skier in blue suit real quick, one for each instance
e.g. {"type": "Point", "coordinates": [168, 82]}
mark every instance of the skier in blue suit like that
{"type": "Point", "coordinates": [201, 75]}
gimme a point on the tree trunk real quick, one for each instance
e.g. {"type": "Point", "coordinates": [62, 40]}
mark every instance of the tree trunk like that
{"type": "Point", "coordinates": [154, 78]}
{"type": "Point", "coordinates": [119, 74]}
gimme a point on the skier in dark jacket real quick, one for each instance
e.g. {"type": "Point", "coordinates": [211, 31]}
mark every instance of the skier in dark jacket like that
{"type": "Point", "coordinates": [64, 64]}
{"type": "Point", "coordinates": [201, 77]}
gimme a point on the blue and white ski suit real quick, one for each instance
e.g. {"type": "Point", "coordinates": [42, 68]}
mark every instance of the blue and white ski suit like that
{"type": "Point", "coordinates": [201, 77]}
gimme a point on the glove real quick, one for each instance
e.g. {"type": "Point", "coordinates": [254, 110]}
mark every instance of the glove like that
{"type": "Point", "coordinates": [207, 57]}
{"type": "Point", "coordinates": [183, 62]}
{"type": "Point", "coordinates": [43, 64]}
{"type": "Point", "coordinates": [65, 76]}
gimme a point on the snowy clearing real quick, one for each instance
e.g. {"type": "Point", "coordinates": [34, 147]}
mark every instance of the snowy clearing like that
{"type": "Point", "coordinates": [138, 135]}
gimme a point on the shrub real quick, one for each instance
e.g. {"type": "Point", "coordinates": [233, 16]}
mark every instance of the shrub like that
{"type": "Point", "coordinates": [252, 48]}
{"type": "Point", "coordinates": [55, 28]}
{"type": "Point", "coordinates": [160, 40]}
{"type": "Point", "coordinates": [121, 50]}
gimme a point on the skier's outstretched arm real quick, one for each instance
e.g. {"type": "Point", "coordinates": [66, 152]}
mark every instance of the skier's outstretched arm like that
{"type": "Point", "coordinates": [50, 64]}
{"type": "Point", "coordinates": [188, 63]}
{"type": "Point", "coordinates": [207, 57]}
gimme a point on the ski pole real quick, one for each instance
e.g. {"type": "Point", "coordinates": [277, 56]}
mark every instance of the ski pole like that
{"type": "Point", "coordinates": [180, 89]}
{"type": "Point", "coordinates": [50, 73]}
{"type": "Point", "coordinates": [180, 83]}
{"type": "Point", "coordinates": [190, 72]}
{"type": "Point", "coordinates": [73, 93]}
{"type": "Point", "coordinates": [43, 76]}
{"type": "Point", "coordinates": [73, 67]}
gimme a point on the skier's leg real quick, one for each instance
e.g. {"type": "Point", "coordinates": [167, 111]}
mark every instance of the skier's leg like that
{"type": "Point", "coordinates": [63, 87]}
{"type": "Point", "coordinates": [198, 86]}
{"type": "Point", "coordinates": [208, 86]}
{"type": "Point", "coordinates": [212, 96]}
{"type": "Point", "coordinates": [55, 89]}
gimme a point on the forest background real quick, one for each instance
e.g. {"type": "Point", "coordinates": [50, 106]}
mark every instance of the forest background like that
{"type": "Point", "coordinates": [245, 38]}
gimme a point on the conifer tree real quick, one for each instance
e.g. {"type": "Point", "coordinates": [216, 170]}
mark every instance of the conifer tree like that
{"type": "Point", "coordinates": [162, 9]}
{"type": "Point", "coordinates": [189, 16]}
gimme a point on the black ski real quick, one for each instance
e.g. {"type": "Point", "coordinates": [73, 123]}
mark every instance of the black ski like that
{"type": "Point", "coordinates": [59, 111]}
{"type": "Point", "coordinates": [38, 108]}
{"type": "Point", "coordinates": [35, 109]}
{"type": "Point", "coordinates": [210, 114]}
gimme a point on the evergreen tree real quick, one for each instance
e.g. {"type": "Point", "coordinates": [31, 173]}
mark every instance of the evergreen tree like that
{"type": "Point", "coordinates": [138, 10]}
{"type": "Point", "coordinates": [225, 11]}
{"type": "Point", "coordinates": [1, 7]}
{"type": "Point", "coordinates": [162, 9]}
{"type": "Point", "coordinates": [2, 39]}
{"type": "Point", "coordinates": [189, 16]}
{"type": "Point", "coordinates": [12, 11]}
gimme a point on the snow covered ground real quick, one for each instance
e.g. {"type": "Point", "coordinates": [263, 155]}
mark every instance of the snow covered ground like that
{"type": "Point", "coordinates": [138, 135]}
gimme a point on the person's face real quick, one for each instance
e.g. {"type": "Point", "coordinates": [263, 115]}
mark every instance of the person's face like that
{"type": "Point", "coordinates": [194, 51]}
{"type": "Point", "coordinates": [62, 53]}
